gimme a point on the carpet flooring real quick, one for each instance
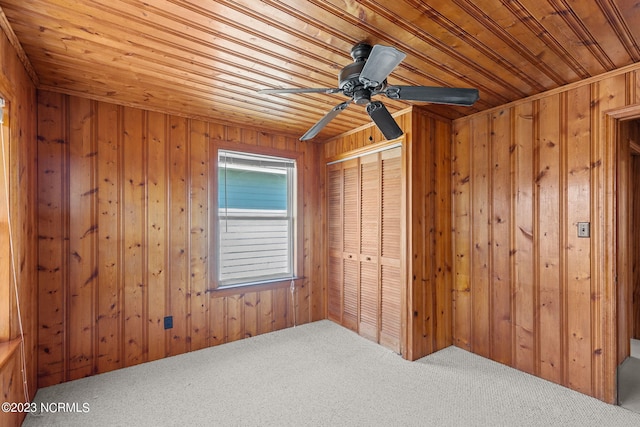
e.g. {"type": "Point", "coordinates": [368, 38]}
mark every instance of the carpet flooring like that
{"type": "Point", "coordinates": [320, 374]}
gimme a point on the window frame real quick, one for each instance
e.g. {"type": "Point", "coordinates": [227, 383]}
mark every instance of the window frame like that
{"type": "Point", "coordinates": [297, 227]}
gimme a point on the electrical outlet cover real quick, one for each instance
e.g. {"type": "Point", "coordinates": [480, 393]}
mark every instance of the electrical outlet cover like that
{"type": "Point", "coordinates": [168, 322]}
{"type": "Point", "coordinates": [584, 229]}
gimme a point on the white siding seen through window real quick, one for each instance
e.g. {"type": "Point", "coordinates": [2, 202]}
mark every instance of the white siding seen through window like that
{"type": "Point", "coordinates": [256, 218]}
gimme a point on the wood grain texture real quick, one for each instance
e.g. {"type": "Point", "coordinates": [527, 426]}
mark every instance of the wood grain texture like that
{"type": "Point", "coordinates": [555, 319]}
{"type": "Point", "coordinates": [423, 245]}
{"type": "Point", "coordinates": [126, 197]}
{"type": "Point", "coordinates": [19, 130]}
{"type": "Point", "coordinates": [206, 60]}
{"type": "Point", "coordinates": [634, 232]}
{"type": "Point", "coordinates": [635, 267]}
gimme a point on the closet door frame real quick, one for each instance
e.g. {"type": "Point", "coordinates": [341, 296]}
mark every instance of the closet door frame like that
{"type": "Point", "coordinates": [405, 250]}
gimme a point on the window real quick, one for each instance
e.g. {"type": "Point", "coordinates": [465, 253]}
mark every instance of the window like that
{"type": "Point", "coordinates": [256, 211]}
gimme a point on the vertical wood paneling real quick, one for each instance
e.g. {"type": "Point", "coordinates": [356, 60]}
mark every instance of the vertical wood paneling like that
{"type": "Point", "coordinates": [501, 239]}
{"type": "Point", "coordinates": [178, 233]}
{"type": "Point", "coordinates": [550, 223]}
{"type": "Point", "coordinates": [109, 294]}
{"type": "Point", "coordinates": [198, 299]}
{"type": "Point", "coordinates": [481, 235]}
{"type": "Point", "coordinates": [132, 229]}
{"type": "Point", "coordinates": [577, 269]}
{"type": "Point", "coordinates": [419, 239]}
{"type": "Point", "coordinates": [551, 178]}
{"type": "Point", "coordinates": [281, 308]}
{"type": "Point", "coordinates": [20, 265]}
{"type": "Point", "coordinates": [635, 244]}
{"type": "Point", "coordinates": [235, 317]}
{"type": "Point", "coordinates": [5, 250]}
{"type": "Point", "coordinates": [441, 214]}
{"type": "Point", "coordinates": [157, 233]}
{"type": "Point", "coordinates": [462, 234]}
{"type": "Point", "coordinates": [525, 295]}
{"type": "Point", "coordinates": [82, 247]}
{"type": "Point", "coordinates": [52, 234]}
{"type": "Point", "coordinates": [251, 302]}
{"type": "Point", "coordinates": [125, 199]}
{"type": "Point", "coordinates": [218, 321]}
{"type": "Point", "coordinates": [607, 335]}
{"type": "Point", "coordinates": [265, 312]}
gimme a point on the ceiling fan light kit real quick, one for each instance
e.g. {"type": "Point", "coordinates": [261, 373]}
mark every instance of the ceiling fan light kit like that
{"type": "Point", "coordinates": [367, 77]}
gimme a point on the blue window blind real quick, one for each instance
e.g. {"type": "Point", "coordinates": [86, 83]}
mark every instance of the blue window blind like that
{"type": "Point", "coordinates": [256, 218]}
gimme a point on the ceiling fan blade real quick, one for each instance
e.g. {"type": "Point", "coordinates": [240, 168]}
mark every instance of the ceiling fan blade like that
{"type": "Point", "coordinates": [323, 121]}
{"type": "Point", "coordinates": [381, 62]}
{"type": "Point", "coordinates": [434, 95]}
{"type": "Point", "coordinates": [300, 90]}
{"type": "Point", "coordinates": [383, 119]}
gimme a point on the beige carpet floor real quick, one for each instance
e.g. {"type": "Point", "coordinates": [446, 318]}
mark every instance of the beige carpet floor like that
{"type": "Point", "coordinates": [321, 374]}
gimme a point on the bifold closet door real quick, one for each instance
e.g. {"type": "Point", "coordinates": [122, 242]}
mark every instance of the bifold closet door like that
{"type": "Point", "coordinates": [380, 247]}
{"type": "Point", "coordinates": [343, 242]}
{"type": "Point", "coordinates": [364, 212]}
{"type": "Point", "coordinates": [391, 279]}
{"type": "Point", "coordinates": [334, 242]}
{"type": "Point", "coordinates": [369, 215]}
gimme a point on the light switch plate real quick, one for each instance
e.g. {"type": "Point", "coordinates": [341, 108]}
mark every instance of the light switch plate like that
{"type": "Point", "coordinates": [584, 229]}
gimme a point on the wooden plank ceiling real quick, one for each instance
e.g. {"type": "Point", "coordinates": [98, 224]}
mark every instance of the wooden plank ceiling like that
{"type": "Point", "coordinates": [206, 59]}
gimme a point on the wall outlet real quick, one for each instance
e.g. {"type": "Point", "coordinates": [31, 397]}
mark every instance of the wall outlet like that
{"type": "Point", "coordinates": [584, 229]}
{"type": "Point", "coordinates": [168, 322]}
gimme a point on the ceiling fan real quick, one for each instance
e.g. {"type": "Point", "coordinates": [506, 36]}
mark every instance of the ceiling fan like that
{"type": "Point", "coordinates": [367, 77]}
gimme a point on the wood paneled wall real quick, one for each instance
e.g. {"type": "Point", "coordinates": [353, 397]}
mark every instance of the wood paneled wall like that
{"type": "Point", "coordinates": [634, 225]}
{"type": "Point", "coordinates": [427, 238]}
{"type": "Point", "coordinates": [527, 291]}
{"type": "Point", "coordinates": [125, 199]}
{"type": "Point", "coordinates": [20, 94]}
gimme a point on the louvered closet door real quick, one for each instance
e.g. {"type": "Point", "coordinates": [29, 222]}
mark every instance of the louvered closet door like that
{"type": "Point", "coordinates": [334, 240]}
{"type": "Point", "coordinates": [391, 249]}
{"type": "Point", "coordinates": [365, 245]}
{"type": "Point", "coordinates": [350, 244]}
{"type": "Point", "coordinates": [369, 246]}
{"type": "Point", "coordinates": [343, 241]}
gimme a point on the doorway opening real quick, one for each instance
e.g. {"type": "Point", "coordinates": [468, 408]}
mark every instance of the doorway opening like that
{"type": "Point", "coordinates": [628, 203]}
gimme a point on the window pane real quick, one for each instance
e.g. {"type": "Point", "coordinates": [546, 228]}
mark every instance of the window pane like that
{"type": "Point", "coordinates": [255, 212]}
{"type": "Point", "coordinates": [252, 190]}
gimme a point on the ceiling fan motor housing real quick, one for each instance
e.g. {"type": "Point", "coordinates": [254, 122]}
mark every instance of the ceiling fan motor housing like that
{"type": "Point", "coordinates": [349, 77]}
